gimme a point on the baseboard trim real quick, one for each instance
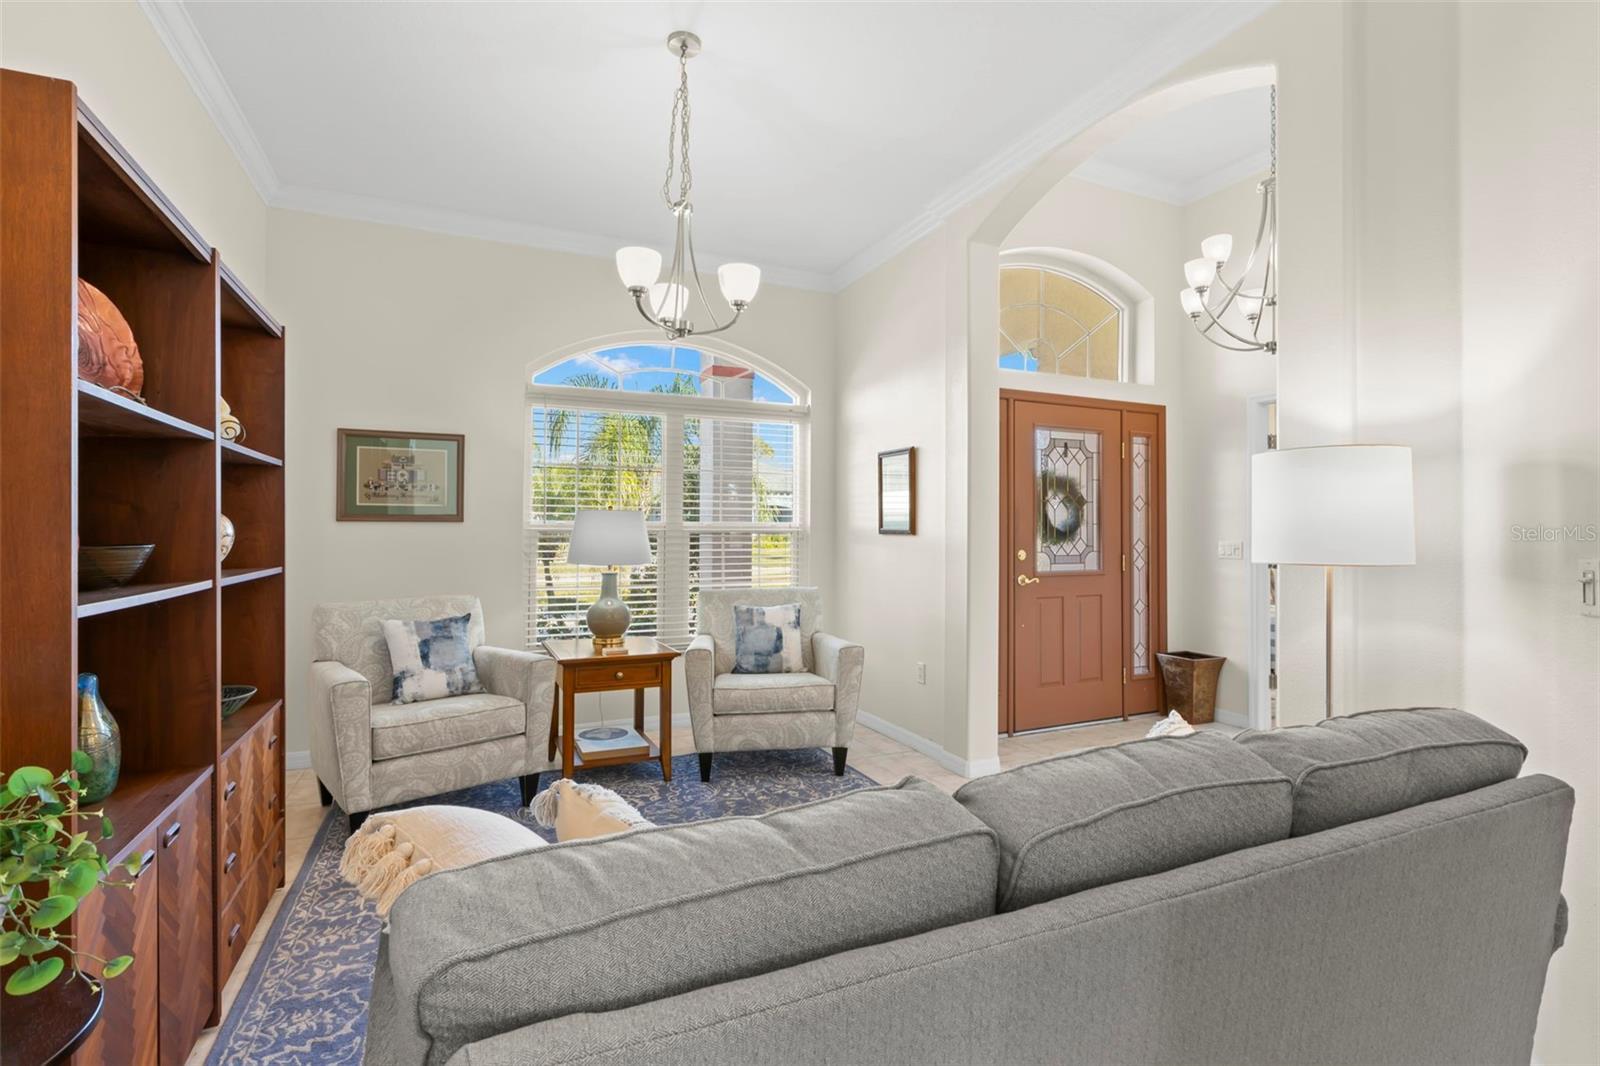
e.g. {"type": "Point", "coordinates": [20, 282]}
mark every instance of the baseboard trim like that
{"type": "Point", "coordinates": [1237, 719]}
{"type": "Point", "coordinates": [919, 743]}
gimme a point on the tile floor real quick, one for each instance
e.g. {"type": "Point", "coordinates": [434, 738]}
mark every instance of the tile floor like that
{"type": "Point", "coordinates": [879, 757]}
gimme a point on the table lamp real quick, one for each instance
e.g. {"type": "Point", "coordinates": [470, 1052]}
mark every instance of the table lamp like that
{"type": "Point", "coordinates": [1342, 505]}
{"type": "Point", "coordinates": [612, 539]}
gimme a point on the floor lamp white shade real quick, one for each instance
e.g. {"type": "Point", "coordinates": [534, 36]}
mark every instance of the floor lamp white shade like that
{"type": "Point", "coordinates": [1343, 505]}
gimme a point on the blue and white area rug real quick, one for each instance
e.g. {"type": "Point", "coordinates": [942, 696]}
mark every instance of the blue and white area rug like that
{"type": "Point", "coordinates": [305, 999]}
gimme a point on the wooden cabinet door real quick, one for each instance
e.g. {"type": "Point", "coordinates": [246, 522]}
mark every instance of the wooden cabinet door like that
{"type": "Point", "coordinates": [186, 910]}
{"type": "Point", "coordinates": [123, 921]}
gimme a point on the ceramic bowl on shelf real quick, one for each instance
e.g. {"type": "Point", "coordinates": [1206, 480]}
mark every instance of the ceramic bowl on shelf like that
{"type": "Point", "coordinates": [236, 696]}
{"type": "Point", "coordinates": [104, 566]}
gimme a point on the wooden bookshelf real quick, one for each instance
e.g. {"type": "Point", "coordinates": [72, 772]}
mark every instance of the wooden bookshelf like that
{"type": "Point", "coordinates": [105, 468]}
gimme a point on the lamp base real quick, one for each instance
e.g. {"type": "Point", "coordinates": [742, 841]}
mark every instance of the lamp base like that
{"type": "Point", "coordinates": [608, 616]}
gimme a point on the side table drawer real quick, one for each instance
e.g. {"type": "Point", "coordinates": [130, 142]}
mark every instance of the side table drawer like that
{"type": "Point", "coordinates": [623, 675]}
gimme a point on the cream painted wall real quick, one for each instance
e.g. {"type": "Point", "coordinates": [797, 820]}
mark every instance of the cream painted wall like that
{"type": "Point", "coordinates": [128, 79]}
{"type": "Point", "coordinates": [1529, 235]}
{"type": "Point", "coordinates": [392, 328]}
{"type": "Point", "coordinates": [1212, 481]}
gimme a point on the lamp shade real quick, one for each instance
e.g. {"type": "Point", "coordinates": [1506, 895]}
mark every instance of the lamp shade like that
{"type": "Point", "coordinates": [739, 282]}
{"type": "Point", "coordinates": [609, 538]}
{"type": "Point", "coordinates": [638, 267]}
{"type": "Point", "coordinates": [1347, 505]}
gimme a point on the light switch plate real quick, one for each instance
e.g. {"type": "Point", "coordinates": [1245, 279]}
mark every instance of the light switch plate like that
{"type": "Point", "coordinates": [1230, 549]}
{"type": "Point", "coordinates": [1589, 594]}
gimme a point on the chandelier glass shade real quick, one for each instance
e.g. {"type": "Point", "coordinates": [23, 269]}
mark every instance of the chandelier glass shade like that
{"type": "Point", "coordinates": [1227, 313]}
{"type": "Point", "coordinates": [670, 303]}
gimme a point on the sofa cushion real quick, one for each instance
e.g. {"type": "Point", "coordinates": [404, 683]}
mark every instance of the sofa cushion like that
{"type": "Point", "coordinates": [768, 693]}
{"type": "Point", "coordinates": [400, 729]}
{"type": "Point", "coordinates": [714, 616]}
{"type": "Point", "coordinates": [1092, 817]}
{"type": "Point", "coordinates": [602, 924]}
{"type": "Point", "coordinates": [351, 632]}
{"type": "Point", "coordinates": [1363, 765]}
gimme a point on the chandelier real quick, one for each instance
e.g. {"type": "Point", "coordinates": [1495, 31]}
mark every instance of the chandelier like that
{"type": "Point", "coordinates": [1212, 297]}
{"type": "Point", "coordinates": [667, 303]}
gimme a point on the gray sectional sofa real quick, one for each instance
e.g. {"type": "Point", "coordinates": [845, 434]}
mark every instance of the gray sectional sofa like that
{"type": "Point", "coordinates": [1377, 888]}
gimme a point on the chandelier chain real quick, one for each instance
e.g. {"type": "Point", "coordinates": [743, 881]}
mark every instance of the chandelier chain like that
{"type": "Point", "coordinates": [1273, 135]}
{"type": "Point", "coordinates": [678, 137]}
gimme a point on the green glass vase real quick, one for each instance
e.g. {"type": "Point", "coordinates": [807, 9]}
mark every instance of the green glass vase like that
{"type": "Point", "coordinates": [100, 739]}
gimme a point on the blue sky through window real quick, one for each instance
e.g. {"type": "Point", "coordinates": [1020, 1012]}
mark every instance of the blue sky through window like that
{"type": "Point", "coordinates": [648, 368]}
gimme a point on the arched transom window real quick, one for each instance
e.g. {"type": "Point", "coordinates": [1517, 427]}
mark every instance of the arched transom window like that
{"type": "Point", "coordinates": [1054, 323]}
{"type": "Point", "coordinates": [709, 447]}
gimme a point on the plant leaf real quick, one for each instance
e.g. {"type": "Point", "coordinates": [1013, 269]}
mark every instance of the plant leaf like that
{"type": "Point", "coordinates": [34, 976]}
{"type": "Point", "coordinates": [24, 779]}
{"type": "Point", "coordinates": [81, 763]}
{"type": "Point", "coordinates": [10, 946]}
{"type": "Point", "coordinates": [117, 965]}
{"type": "Point", "coordinates": [105, 827]}
{"type": "Point", "coordinates": [80, 879]}
{"type": "Point", "coordinates": [53, 910]}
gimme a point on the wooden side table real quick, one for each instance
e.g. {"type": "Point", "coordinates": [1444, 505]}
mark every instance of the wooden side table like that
{"type": "Point", "coordinates": [644, 662]}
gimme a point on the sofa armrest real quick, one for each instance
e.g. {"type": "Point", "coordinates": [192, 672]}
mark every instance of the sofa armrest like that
{"type": "Point", "coordinates": [699, 674]}
{"type": "Point", "coordinates": [341, 733]}
{"type": "Point", "coordinates": [529, 676]}
{"type": "Point", "coordinates": [841, 661]}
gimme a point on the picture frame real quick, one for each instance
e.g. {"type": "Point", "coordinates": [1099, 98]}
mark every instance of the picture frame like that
{"type": "Point", "coordinates": [392, 476]}
{"type": "Point", "coordinates": [897, 492]}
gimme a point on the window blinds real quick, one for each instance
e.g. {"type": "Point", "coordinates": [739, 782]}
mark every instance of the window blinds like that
{"type": "Point", "coordinates": [724, 499]}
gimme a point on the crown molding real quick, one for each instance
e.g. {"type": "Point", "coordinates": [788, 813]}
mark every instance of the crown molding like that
{"type": "Point", "coordinates": [1176, 193]}
{"type": "Point", "coordinates": [1224, 176]}
{"type": "Point", "coordinates": [484, 227]}
{"type": "Point", "coordinates": [188, 50]}
{"type": "Point", "coordinates": [1199, 27]}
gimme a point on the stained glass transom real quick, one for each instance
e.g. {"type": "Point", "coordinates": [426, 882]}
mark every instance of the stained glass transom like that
{"type": "Point", "coordinates": [1067, 486]}
{"type": "Point", "coordinates": [1056, 324]}
{"type": "Point", "coordinates": [1139, 555]}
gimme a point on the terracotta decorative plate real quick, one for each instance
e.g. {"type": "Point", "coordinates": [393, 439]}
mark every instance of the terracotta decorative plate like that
{"type": "Point", "coordinates": [107, 352]}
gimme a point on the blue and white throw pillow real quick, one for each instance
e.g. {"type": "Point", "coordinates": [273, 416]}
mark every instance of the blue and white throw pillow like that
{"type": "Point", "coordinates": [432, 658]}
{"type": "Point", "coordinates": [766, 640]}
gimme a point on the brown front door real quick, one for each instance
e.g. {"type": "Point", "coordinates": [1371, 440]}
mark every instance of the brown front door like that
{"type": "Point", "coordinates": [1081, 560]}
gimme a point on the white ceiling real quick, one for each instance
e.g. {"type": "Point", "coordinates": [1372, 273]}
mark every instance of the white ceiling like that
{"type": "Point", "coordinates": [825, 136]}
{"type": "Point", "coordinates": [1191, 153]}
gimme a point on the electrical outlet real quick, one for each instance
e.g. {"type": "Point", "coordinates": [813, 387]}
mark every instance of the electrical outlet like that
{"type": "Point", "coordinates": [922, 673]}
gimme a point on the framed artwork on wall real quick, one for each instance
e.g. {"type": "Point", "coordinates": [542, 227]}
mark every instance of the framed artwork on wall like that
{"type": "Point", "coordinates": [400, 477]}
{"type": "Point", "coordinates": [897, 491]}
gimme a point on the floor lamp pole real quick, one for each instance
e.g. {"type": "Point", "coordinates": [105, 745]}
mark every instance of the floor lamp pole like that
{"type": "Point", "coordinates": [1327, 641]}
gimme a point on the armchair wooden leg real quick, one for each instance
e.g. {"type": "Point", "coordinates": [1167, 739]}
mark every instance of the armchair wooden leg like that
{"type": "Point", "coordinates": [838, 761]}
{"type": "Point", "coordinates": [530, 786]}
{"type": "Point", "coordinates": [323, 793]}
{"type": "Point", "coordinates": [705, 766]}
{"type": "Point", "coordinates": [356, 819]}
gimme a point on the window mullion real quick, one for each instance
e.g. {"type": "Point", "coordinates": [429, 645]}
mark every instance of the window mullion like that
{"type": "Point", "coordinates": [672, 564]}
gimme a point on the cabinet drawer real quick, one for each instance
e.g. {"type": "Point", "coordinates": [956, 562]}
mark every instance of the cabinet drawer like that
{"type": "Point", "coordinates": [235, 859]}
{"type": "Point", "coordinates": [239, 918]}
{"type": "Point", "coordinates": [235, 781]}
{"type": "Point", "coordinates": [122, 921]}
{"type": "Point", "coordinates": [623, 675]}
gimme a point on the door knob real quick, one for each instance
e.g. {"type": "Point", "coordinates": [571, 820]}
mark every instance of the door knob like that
{"type": "Point", "coordinates": [1024, 579]}
{"type": "Point", "coordinates": [1022, 555]}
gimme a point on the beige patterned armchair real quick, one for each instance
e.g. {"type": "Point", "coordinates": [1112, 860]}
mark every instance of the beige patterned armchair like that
{"type": "Point", "coordinates": [734, 712]}
{"type": "Point", "coordinates": [370, 752]}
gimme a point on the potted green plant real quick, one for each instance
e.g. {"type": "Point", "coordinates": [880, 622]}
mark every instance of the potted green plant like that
{"type": "Point", "coordinates": [42, 845]}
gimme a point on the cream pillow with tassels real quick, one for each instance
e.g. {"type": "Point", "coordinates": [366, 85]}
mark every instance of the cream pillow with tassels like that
{"type": "Point", "coordinates": [394, 849]}
{"type": "Point", "coordinates": [579, 811]}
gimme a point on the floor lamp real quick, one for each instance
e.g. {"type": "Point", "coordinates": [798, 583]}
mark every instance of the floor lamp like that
{"type": "Point", "coordinates": [1343, 505]}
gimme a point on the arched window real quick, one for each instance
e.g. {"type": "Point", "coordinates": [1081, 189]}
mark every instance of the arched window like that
{"type": "Point", "coordinates": [709, 446]}
{"type": "Point", "coordinates": [1053, 322]}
